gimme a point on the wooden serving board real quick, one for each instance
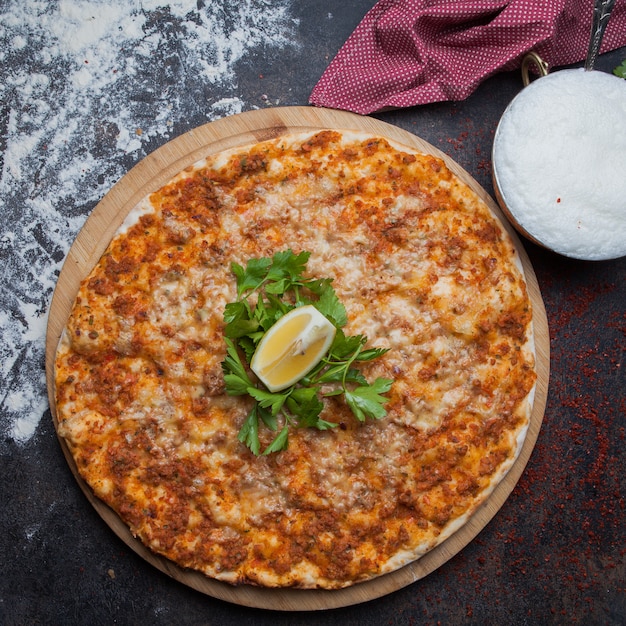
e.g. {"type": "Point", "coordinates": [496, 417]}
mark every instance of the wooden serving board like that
{"type": "Point", "coordinates": [152, 173]}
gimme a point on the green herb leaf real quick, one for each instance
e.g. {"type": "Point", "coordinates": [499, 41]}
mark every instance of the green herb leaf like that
{"type": "Point", "coordinates": [248, 345]}
{"type": "Point", "coordinates": [267, 399]}
{"type": "Point", "coordinates": [235, 375]}
{"type": "Point", "coordinates": [234, 311]}
{"type": "Point", "coordinates": [367, 401]}
{"type": "Point", "coordinates": [371, 354]}
{"type": "Point", "coordinates": [249, 432]}
{"type": "Point", "coordinates": [287, 265]}
{"type": "Point", "coordinates": [330, 305]}
{"type": "Point", "coordinates": [345, 346]}
{"type": "Point", "coordinates": [620, 70]}
{"type": "Point", "coordinates": [252, 277]}
{"type": "Point", "coordinates": [338, 373]}
{"type": "Point", "coordinates": [324, 425]}
{"type": "Point", "coordinates": [268, 418]}
{"type": "Point", "coordinates": [280, 442]}
{"type": "Point", "coordinates": [279, 287]}
{"type": "Point", "coordinates": [305, 403]}
{"type": "Point", "coordinates": [241, 328]}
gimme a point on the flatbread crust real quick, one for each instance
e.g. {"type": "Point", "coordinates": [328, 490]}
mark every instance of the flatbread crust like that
{"type": "Point", "coordinates": [423, 268]}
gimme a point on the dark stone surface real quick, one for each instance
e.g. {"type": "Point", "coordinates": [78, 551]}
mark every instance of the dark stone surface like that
{"type": "Point", "coordinates": [554, 554]}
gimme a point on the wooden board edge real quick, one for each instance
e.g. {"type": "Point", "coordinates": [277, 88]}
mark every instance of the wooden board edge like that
{"type": "Point", "coordinates": [154, 171]}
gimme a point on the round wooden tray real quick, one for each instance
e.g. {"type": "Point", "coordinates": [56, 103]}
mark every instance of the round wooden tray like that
{"type": "Point", "coordinates": [152, 173]}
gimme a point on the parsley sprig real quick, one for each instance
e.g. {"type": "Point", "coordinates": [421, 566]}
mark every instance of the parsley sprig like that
{"type": "Point", "coordinates": [267, 288]}
{"type": "Point", "coordinates": [620, 70]}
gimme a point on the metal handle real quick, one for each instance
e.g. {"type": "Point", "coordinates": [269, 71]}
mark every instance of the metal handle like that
{"type": "Point", "coordinates": [532, 58]}
{"type": "Point", "coordinates": [601, 14]}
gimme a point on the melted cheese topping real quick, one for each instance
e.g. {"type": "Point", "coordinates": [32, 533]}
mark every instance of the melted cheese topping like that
{"type": "Point", "coordinates": [423, 269]}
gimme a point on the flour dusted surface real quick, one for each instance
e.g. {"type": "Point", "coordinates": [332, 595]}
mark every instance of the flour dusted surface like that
{"type": "Point", "coordinates": [87, 88]}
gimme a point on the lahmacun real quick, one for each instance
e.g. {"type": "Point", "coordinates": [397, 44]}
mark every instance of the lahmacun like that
{"type": "Point", "coordinates": [423, 268]}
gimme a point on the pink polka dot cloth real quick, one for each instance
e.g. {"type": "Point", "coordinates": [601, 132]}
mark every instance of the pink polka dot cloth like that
{"type": "Point", "coordinates": [410, 52]}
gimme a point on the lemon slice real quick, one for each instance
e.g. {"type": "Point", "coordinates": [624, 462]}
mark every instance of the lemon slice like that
{"type": "Point", "coordinates": [292, 347]}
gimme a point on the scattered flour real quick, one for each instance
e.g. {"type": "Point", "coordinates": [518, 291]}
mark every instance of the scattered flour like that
{"type": "Point", "coordinates": [87, 88]}
{"type": "Point", "coordinates": [560, 162]}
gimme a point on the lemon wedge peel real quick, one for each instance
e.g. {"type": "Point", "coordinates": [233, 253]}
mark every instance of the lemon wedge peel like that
{"type": "Point", "coordinates": [292, 347]}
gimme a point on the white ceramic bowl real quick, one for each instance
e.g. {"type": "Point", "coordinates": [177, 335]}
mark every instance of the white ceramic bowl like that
{"type": "Point", "coordinates": [559, 163]}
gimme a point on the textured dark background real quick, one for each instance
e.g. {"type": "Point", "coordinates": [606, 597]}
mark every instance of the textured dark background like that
{"type": "Point", "coordinates": [554, 554]}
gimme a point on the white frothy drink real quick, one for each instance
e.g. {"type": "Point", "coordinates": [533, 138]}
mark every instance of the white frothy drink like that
{"type": "Point", "coordinates": [559, 160]}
